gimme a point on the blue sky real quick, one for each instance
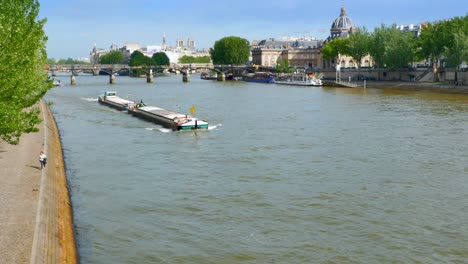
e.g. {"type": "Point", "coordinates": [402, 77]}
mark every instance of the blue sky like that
{"type": "Point", "coordinates": [74, 26]}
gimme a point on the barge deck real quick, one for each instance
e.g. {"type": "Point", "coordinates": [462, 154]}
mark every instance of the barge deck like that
{"type": "Point", "coordinates": [160, 116]}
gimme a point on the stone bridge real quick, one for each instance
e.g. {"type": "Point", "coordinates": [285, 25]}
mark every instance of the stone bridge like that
{"type": "Point", "coordinates": [185, 69]}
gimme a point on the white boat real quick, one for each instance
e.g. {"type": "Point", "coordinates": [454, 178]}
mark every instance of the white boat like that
{"type": "Point", "coordinates": [310, 79]}
{"type": "Point", "coordinates": [56, 82]}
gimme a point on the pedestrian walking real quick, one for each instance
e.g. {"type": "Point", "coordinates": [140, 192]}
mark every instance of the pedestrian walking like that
{"type": "Point", "coordinates": [42, 159]}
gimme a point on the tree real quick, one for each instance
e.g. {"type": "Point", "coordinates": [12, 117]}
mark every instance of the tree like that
{"type": "Point", "coordinates": [358, 45]}
{"type": "Point", "coordinates": [282, 65]}
{"type": "Point", "coordinates": [230, 50]}
{"type": "Point", "coordinates": [138, 59]}
{"type": "Point", "coordinates": [113, 57]}
{"type": "Point", "coordinates": [377, 46]}
{"type": "Point", "coordinates": [160, 58]}
{"type": "Point", "coordinates": [399, 48]}
{"type": "Point", "coordinates": [458, 51]}
{"type": "Point", "coordinates": [23, 81]}
{"type": "Point", "coordinates": [335, 48]}
{"type": "Point", "coordinates": [191, 59]}
{"type": "Point", "coordinates": [432, 42]}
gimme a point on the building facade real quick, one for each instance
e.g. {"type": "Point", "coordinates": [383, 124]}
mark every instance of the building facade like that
{"type": "Point", "coordinates": [174, 53]}
{"type": "Point", "coordinates": [343, 27]}
{"type": "Point", "coordinates": [300, 52]}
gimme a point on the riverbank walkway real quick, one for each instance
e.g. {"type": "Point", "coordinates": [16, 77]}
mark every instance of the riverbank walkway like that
{"type": "Point", "coordinates": [35, 212]}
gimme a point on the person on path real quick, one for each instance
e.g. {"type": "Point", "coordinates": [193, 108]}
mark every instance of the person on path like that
{"type": "Point", "coordinates": [42, 159]}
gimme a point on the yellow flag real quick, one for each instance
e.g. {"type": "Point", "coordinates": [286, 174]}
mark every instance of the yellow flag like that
{"type": "Point", "coordinates": [192, 109]}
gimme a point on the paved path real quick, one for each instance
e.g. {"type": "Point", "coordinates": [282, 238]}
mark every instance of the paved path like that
{"type": "Point", "coordinates": [20, 177]}
{"type": "Point", "coordinates": [35, 210]}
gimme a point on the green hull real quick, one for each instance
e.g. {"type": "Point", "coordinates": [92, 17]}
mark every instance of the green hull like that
{"type": "Point", "coordinates": [193, 127]}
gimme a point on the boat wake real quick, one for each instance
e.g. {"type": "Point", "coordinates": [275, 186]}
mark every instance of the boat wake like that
{"type": "Point", "coordinates": [160, 129]}
{"type": "Point", "coordinates": [90, 99]}
{"type": "Point", "coordinates": [214, 126]}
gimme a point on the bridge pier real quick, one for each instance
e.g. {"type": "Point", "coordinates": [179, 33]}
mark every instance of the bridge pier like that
{"type": "Point", "coordinates": [149, 77]}
{"type": "Point", "coordinates": [112, 78]}
{"type": "Point", "coordinates": [185, 77]}
{"type": "Point", "coordinates": [95, 72]}
{"type": "Point", "coordinates": [73, 79]}
{"type": "Point", "coordinates": [221, 77]}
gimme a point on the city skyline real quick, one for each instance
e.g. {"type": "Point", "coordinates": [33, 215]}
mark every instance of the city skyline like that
{"type": "Point", "coordinates": [74, 27]}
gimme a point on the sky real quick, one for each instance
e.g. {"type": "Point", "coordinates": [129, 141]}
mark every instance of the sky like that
{"type": "Point", "coordinates": [74, 26]}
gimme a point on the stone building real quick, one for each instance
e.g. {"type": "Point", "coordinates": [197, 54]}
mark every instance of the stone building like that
{"type": "Point", "coordinates": [95, 54]}
{"type": "Point", "coordinates": [343, 27]}
{"type": "Point", "coordinates": [300, 52]}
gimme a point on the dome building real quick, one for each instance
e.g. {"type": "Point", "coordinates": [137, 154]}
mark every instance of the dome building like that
{"type": "Point", "coordinates": [341, 26]}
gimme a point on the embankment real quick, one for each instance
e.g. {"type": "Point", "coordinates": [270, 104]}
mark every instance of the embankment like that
{"type": "Point", "coordinates": [54, 240]}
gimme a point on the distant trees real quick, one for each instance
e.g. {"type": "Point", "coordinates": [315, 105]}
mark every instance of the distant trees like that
{"type": "Point", "coordinates": [392, 48]}
{"type": "Point", "coordinates": [23, 81]}
{"type": "Point", "coordinates": [230, 50]}
{"type": "Point", "coordinates": [358, 45]}
{"type": "Point", "coordinates": [282, 65]}
{"type": "Point", "coordinates": [445, 39]}
{"type": "Point", "coordinates": [160, 58]}
{"type": "Point", "coordinates": [192, 59]}
{"type": "Point", "coordinates": [68, 61]}
{"type": "Point", "coordinates": [137, 58]}
{"type": "Point", "coordinates": [333, 49]}
{"type": "Point", "coordinates": [113, 57]}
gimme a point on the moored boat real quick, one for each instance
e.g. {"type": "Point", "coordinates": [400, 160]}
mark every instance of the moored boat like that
{"type": "Point", "coordinates": [208, 76]}
{"type": "Point", "coordinates": [56, 82]}
{"type": "Point", "coordinates": [309, 79]}
{"type": "Point", "coordinates": [260, 77]}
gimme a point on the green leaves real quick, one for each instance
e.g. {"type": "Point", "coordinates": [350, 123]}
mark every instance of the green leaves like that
{"type": "Point", "coordinates": [358, 44]}
{"type": "Point", "coordinates": [138, 59]}
{"type": "Point", "coordinates": [113, 57]}
{"type": "Point", "coordinates": [191, 59]}
{"type": "Point", "coordinates": [335, 47]}
{"type": "Point", "coordinates": [23, 82]}
{"type": "Point", "coordinates": [230, 50]}
{"type": "Point", "coordinates": [282, 65]}
{"type": "Point", "coordinates": [160, 58]}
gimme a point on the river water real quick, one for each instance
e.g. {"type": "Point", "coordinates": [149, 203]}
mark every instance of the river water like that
{"type": "Point", "coordinates": [284, 174]}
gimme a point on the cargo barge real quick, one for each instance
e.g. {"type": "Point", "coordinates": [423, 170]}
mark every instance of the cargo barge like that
{"type": "Point", "coordinates": [160, 116]}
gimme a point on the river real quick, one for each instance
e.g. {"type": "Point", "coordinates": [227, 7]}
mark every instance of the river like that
{"type": "Point", "coordinates": [283, 175]}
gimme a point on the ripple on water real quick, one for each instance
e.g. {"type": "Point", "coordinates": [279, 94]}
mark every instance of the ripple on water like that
{"type": "Point", "coordinates": [345, 176]}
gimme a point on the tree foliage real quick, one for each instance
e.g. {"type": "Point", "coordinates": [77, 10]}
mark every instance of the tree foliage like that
{"type": "Point", "coordinates": [139, 59]}
{"type": "Point", "coordinates": [377, 45]}
{"type": "Point", "coordinates": [282, 65]}
{"type": "Point", "coordinates": [192, 59]}
{"type": "Point", "coordinates": [68, 61]}
{"type": "Point", "coordinates": [23, 81]}
{"type": "Point", "coordinates": [113, 57]}
{"type": "Point", "coordinates": [230, 50]}
{"type": "Point", "coordinates": [358, 45]}
{"type": "Point", "coordinates": [399, 49]}
{"type": "Point", "coordinates": [334, 48]}
{"type": "Point", "coordinates": [160, 58]}
{"type": "Point", "coordinates": [432, 42]}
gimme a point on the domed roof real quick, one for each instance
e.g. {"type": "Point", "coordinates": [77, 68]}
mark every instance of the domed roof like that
{"type": "Point", "coordinates": [342, 22]}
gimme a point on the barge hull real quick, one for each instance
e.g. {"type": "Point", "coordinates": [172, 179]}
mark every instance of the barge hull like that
{"type": "Point", "coordinates": [165, 122]}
